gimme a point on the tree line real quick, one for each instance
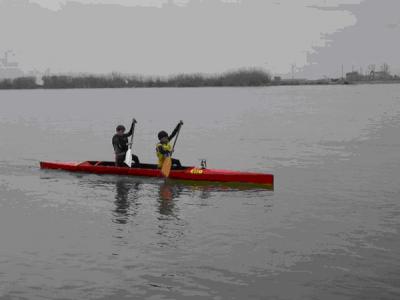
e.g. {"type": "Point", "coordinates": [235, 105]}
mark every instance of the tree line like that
{"type": "Point", "coordinates": [241, 77]}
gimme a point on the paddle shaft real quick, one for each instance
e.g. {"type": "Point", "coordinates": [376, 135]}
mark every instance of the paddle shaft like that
{"type": "Point", "coordinates": [176, 138]}
{"type": "Point", "coordinates": [133, 133]}
{"type": "Point", "coordinates": [128, 154]}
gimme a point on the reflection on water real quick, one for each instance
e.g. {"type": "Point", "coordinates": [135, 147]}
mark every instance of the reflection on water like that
{"type": "Point", "coordinates": [126, 197]}
{"type": "Point", "coordinates": [166, 201]}
{"type": "Point", "coordinates": [171, 226]}
{"type": "Point", "coordinates": [168, 194]}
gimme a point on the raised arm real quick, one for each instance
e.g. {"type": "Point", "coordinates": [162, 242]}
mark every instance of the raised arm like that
{"type": "Point", "coordinates": [175, 130]}
{"type": "Point", "coordinates": [129, 133]}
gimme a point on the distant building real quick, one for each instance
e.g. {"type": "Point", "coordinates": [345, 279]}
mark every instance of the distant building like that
{"type": "Point", "coordinates": [9, 70]}
{"type": "Point", "coordinates": [277, 78]}
{"type": "Point", "coordinates": [354, 76]}
{"type": "Point", "coordinates": [382, 75]}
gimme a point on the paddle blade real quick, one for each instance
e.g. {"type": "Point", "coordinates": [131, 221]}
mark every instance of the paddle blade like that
{"type": "Point", "coordinates": [166, 167]}
{"type": "Point", "coordinates": [128, 158]}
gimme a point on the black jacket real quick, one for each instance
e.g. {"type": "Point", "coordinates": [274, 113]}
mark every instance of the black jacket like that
{"type": "Point", "coordinates": [120, 142]}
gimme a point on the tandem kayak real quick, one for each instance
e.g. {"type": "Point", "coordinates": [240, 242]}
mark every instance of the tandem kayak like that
{"type": "Point", "coordinates": [151, 170]}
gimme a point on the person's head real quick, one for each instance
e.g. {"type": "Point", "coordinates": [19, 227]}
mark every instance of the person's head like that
{"type": "Point", "coordinates": [120, 129]}
{"type": "Point", "coordinates": [163, 137]}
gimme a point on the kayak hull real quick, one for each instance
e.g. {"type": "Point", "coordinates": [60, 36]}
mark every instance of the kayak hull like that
{"type": "Point", "coordinates": [150, 170]}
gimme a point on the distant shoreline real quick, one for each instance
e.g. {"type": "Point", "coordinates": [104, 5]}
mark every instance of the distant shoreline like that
{"type": "Point", "coordinates": [238, 78]}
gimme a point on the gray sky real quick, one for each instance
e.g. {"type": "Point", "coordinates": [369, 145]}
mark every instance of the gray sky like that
{"type": "Point", "coordinates": [167, 37]}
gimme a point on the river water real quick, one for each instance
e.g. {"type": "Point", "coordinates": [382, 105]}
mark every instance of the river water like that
{"type": "Point", "coordinates": [329, 230]}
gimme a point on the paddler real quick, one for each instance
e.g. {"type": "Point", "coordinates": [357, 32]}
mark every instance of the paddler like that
{"type": "Point", "coordinates": [120, 144]}
{"type": "Point", "coordinates": [164, 148]}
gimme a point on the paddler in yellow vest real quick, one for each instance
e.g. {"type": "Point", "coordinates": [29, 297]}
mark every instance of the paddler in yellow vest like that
{"type": "Point", "coordinates": [164, 148]}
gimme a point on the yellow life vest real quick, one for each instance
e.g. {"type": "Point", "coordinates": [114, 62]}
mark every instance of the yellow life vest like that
{"type": "Point", "coordinates": [161, 157]}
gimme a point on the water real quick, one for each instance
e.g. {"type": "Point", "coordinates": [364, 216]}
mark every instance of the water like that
{"type": "Point", "coordinates": [329, 230]}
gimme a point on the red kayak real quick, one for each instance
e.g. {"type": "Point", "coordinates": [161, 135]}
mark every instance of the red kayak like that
{"type": "Point", "coordinates": [151, 170]}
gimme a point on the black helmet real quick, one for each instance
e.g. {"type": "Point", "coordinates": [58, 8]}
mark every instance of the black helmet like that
{"type": "Point", "coordinates": [120, 127]}
{"type": "Point", "coordinates": [162, 134]}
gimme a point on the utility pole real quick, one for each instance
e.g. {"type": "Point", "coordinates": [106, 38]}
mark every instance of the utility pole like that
{"type": "Point", "coordinates": [342, 72]}
{"type": "Point", "coordinates": [293, 68]}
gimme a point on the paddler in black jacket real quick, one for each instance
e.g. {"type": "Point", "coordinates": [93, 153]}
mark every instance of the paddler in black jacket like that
{"type": "Point", "coordinates": [120, 144]}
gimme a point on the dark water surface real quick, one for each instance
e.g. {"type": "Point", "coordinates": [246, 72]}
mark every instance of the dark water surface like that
{"type": "Point", "coordinates": [330, 230]}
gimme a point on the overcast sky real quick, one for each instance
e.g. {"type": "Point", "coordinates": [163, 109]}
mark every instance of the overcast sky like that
{"type": "Point", "coordinates": [168, 37]}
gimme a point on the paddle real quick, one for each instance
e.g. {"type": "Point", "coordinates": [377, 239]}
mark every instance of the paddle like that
{"type": "Point", "coordinates": [128, 155]}
{"type": "Point", "coordinates": [166, 167]}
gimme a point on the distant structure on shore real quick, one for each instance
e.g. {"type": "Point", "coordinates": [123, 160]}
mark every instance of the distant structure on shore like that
{"type": "Point", "coordinates": [353, 77]}
{"type": "Point", "coordinates": [8, 69]}
{"type": "Point", "coordinates": [383, 75]}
